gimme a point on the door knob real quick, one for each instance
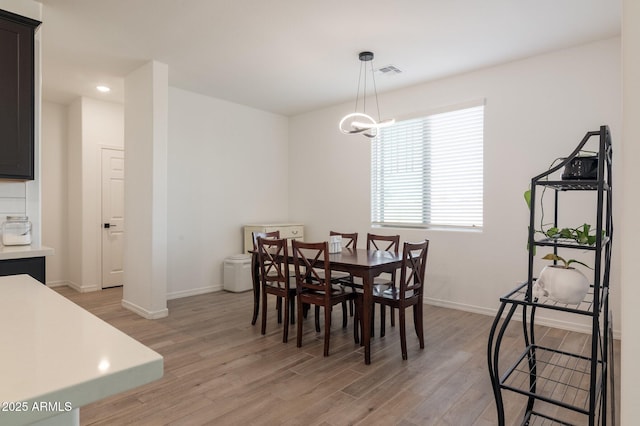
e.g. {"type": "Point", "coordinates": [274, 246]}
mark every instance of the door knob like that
{"type": "Point", "coordinates": [108, 225]}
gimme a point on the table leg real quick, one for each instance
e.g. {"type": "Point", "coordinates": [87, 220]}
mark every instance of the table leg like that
{"type": "Point", "coordinates": [256, 287]}
{"type": "Point", "coordinates": [367, 305]}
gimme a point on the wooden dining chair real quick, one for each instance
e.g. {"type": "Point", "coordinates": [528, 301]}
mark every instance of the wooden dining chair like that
{"type": "Point", "coordinates": [316, 288]}
{"type": "Point", "coordinates": [274, 277]}
{"type": "Point", "coordinates": [383, 243]}
{"type": "Point", "coordinates": [383, 282]}
{"type": "Point", "coordinates": [255, 267]}
{"type": "Point", "coordinates": [349, 241]}
{"type": "Point", "coordinates": [409, 292]}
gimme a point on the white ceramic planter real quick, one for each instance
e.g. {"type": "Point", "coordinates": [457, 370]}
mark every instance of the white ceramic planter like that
{"type": "Point", "coordinates": [564, 285]}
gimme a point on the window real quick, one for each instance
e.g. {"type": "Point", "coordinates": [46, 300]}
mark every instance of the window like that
{"type": "Point", "coordinates": [428, 171]}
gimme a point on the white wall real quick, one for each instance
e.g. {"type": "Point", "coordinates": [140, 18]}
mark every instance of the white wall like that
{"type": "Point", "coordinates": [74, 194]}
{"type": "Point", "coordinates": [54, 191]}
{"type": "Point", "coordinates": [145, 192]}
{"type": "Point", "coordinates": [92, 124]}
{"type": "Point", "coordinates": [536, 110]}
{"type": "Point", "coordinates": [227, 167]}
{"type": "Point", "coordinates": [630, 367]}
{"type": "Point", "coordinates": [29, 8]}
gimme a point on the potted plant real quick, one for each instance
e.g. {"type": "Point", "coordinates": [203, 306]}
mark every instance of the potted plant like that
{"type": "Point", "coordinates": [562, 283]}
{"type": "Point", "coordinates": [583, 234]}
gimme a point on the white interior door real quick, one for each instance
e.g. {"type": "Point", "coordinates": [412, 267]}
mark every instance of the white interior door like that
{"type": "Point", "coordinates": [112, 216]}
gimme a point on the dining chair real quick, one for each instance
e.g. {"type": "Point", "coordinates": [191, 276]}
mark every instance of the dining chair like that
{"type": "Point", "coordinates": [409, 292]}
{"type": "Point", "coordinates": [255, 267]}
{"type": "Point", "coordinates": [349, 241]}
{"type": "Point", "coordinates": [383, 282]}
{"type": "Point", "coordinates": [274, 278]}
{"type": "Point", "coordinates": [316, 288]}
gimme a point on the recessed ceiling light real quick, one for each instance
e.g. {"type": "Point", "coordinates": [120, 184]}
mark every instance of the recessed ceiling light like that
{"type": "Point", "coordinates": [103, 89]}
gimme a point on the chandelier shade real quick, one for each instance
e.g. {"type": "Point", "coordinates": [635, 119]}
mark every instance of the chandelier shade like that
{"type": "Point", "coordinates": [361, 123]}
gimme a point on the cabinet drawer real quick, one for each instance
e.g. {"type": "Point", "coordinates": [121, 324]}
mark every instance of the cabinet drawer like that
{"type": "Point", "coordinates": [289, 231]}
{"type": "Point", "coordinates": [296, 232]}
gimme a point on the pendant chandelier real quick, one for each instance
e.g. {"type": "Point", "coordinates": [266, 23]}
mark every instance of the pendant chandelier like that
{"type": "Point", "coordinates": [361, 123]}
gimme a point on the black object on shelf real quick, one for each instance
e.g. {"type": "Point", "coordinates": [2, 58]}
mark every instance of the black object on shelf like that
{"type": "Point", "coordinates": [579, 168]}
{"type": "Point", "coordinates": [572, 382]}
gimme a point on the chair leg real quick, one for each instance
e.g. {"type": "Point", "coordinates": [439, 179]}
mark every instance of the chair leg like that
{"type": "Point", "coordinates": [299, 327]}
{"type": "Point", "coordinates": [264, 312]}
{"type": "Point", "coordinates": [305, 310]}
{"type": "Point", "coordinates": [382, 319]}
{"type": "Point", "coordinates": [403, 333]}
{"type": "Point", "coordinates": [256, 289]}
{"type": "Point", "coordinates": [317, 318]}
{"type": "Point", "coordinates": [292, 308]}
{"type": "Point", "coordinates": [353, 290]}
{"type": "Point", "coordinates": [279, 308]}
{"type": "Point", "coordinates": [356, 322]}
{"type": "Point", "coordinates": [256, 307]}
{"type": "Point", "coordinates": [327, 329]}
{"type": "Point", "coordinates": [418, 323]}
{"type": "Point", "coordinates": [373, 319]}
{"type": "Point", "coordinates": [344, 314]}
{"type": "Point", "coordinates": [285, 332]}
{"type": "Point", "coordinates": [393, 317]}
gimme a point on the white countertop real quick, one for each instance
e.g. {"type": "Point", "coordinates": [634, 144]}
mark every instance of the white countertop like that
{"type": "Point", "coordinates": [54, 351]}
{"type": "Point", "coordinates": [21, 252]}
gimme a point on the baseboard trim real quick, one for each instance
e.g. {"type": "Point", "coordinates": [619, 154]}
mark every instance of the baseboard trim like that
{"type": "Point", "coordinates": [60, 283]}
{"type": "Point", "coordinates": [83, 289]}
{"type": "Point", "coordinates": [549, 322]}
{"type": "Point", "coordinates": [460, 306]}
{"type": "Point", "coordinates": [193, 292]}
{"type": "Point", "coordinates": [145, 313]}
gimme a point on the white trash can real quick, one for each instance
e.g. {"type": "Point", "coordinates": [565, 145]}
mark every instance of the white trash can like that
{"type": "Point", "coordinates": [237, 273]}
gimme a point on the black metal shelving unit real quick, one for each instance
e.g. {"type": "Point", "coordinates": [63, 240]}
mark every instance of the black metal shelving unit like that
{"type": "Point", "coordinates": [548, 376]}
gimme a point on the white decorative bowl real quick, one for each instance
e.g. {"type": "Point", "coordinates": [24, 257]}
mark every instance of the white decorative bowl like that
{"type": "Point", "coordinates": [564, 285]}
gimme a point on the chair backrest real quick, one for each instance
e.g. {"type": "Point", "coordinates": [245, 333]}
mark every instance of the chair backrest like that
{"type": "Point", "coordinates": [256, 235]}
{"type": "Point", "coordinates": [273, 258]}
{"type": "Point", "coordinates": [308, 260]}
{"type": "Point", "coordinates": [348, 240]}
{"type": "Point", "coordinates": [383, 242]}
{"type": "Point", "coordinates": [414, 264]}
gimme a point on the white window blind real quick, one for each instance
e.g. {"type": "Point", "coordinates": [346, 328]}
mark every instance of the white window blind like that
{"type": "Point", "coordinates": [429, 171]}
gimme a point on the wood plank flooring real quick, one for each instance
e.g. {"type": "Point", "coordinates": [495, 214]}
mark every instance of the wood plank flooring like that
{"type": "Point", "coordinates": [220, 370]}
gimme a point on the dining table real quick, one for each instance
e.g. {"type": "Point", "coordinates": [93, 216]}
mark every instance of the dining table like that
{"type": "Point", "coordinates": [362, 263]}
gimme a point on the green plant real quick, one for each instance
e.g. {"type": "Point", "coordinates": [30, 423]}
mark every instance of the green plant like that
{"type": "Point", "coordinates": [583, 234]}
{"type": "Point", "coordinates": [552, 256]}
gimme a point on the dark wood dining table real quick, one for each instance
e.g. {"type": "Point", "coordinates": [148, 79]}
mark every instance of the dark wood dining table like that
{"type": "Point", "coordinates": [366, 264]}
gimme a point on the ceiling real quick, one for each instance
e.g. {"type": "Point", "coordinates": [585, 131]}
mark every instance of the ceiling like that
{"type": "Point", "coordinates": [293, 56]}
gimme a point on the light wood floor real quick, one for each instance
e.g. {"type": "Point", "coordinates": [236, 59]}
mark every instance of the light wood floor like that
{"type": "Point", "coordinates": [220, 370]}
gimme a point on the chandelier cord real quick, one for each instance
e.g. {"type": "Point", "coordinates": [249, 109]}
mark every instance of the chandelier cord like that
{"type": "Point", "coordinates": [375, 90]}
{"type": "Point", "coordinates": [364, 94]}
{"type": "Point", "coordinates": [360, 122]}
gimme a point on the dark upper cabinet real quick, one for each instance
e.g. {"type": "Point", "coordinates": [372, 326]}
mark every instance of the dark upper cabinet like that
{"type": "Point", "coordinates": [17, 104]}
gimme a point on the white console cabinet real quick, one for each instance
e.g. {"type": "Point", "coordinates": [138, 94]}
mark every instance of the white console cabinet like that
{"type": "Point", "coordinates": [291, 231]}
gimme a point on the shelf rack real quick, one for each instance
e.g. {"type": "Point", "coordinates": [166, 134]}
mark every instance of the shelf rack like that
{"type": "Point", "coordinates": [574, 382]}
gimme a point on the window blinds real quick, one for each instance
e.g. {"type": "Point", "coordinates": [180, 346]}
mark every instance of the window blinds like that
{"type": "Point", "coordinates": [429, 171]}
